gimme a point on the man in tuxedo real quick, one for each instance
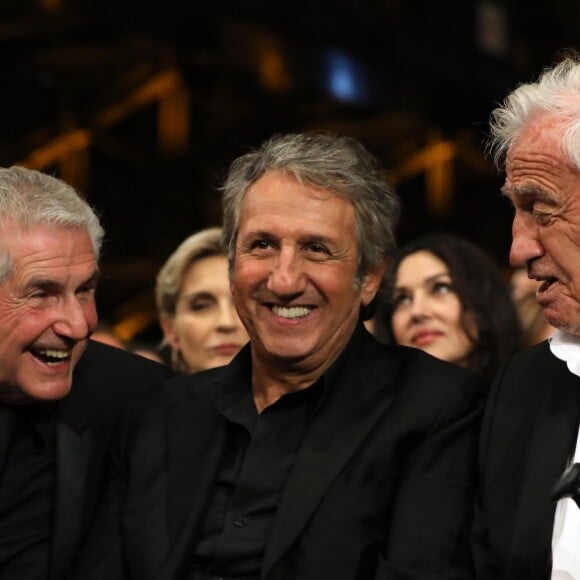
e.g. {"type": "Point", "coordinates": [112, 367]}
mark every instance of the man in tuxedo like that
{"type": "Point", "coordinates": [317, 452]}
{"type": "Point", "coordinates": [60, 393]}
{"type": "Point", "coordinates": [526, 531]}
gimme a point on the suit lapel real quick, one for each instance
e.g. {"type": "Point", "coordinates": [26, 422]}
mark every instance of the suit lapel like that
{"type": "Point", "coordinates": [72, 462]}
{"type": "Point", "coordinates": [556, 428]}
{"type": "Point", "coordinates": [355, 402]}
{"type": "Point", "coordinates": [196, 438]}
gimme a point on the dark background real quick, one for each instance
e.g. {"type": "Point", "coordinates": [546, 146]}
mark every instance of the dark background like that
{"type": "Point", "coordinates": [143, 106]}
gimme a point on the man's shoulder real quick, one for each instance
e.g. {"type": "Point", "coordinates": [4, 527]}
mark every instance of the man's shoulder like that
{"type": "Point", "coordinates": [417, 364]}
{"type": "Point", "coordinates": [181, 388]}
{"type": "Point", "coordinates": [418, 377]}
{"type": "Point", "coordinates": [535, 363]}
{"type": "Point", "coordinates": [528, 376]}
{"type": "Point", "coordinates": [105, 371]}
{"type": "Point", "coordinates": [101, 358]}
{"type": "Point", "coordinates": [405, 360]}
{"type": "Point", "coordinates": [105, 380]}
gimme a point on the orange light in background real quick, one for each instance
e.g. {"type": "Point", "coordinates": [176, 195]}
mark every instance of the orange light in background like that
{"type": "Point", "coordinates": [51, 5]}
{"type": "Point", "coordinates": [135, 323]}
{"type": "Point", "coordinates": [273, 72]}
{"type": "Point", "coordinates": [58, 149]}
{"type": "Point", "coordinates": [435, 160]}
{"type": "Point", "coordinates": [173, 122]}
{"type": "Point", "coordinates": [439, 184]}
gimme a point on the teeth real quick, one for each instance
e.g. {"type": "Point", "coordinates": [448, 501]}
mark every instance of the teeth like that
{"type": "Point", "coordinates": [291, 311]}
{"type": "Point", "coordinates": [62, 354]}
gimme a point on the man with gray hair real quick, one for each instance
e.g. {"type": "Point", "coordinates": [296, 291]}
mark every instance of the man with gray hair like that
{"type": "Point", "coordinates": [60, 393]}
{"type": "Point", "coordinates": [317, 452]}
{"type": "Point", "coordinates": [529, 524]}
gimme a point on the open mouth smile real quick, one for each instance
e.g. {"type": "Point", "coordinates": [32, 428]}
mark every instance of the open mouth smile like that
{"type": "Point", "coordinates": [52, 356]}
{"type": "Point", "coordinates": [291, 312]}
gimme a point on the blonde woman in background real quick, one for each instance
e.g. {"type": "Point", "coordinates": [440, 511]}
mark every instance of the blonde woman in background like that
{"type": "Point", "coordinates": [200, 325]}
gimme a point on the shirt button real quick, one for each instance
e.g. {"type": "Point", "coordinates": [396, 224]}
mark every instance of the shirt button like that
{"type": "Point", "coordinates": [240, 522]}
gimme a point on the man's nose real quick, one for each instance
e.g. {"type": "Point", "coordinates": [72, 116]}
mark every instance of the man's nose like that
{"type": "Point", "coordinates": [286, 276]}
{"type": "Point", "coordinates": [525, 241]}
{"type": "Point", "coordinates": [71, 319]}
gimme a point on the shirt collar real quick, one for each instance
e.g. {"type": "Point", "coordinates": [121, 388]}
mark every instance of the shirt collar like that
{"type": "Point", "coordinates": [234, 382]}
{"type": "Point", "coordinates": [566, 347]}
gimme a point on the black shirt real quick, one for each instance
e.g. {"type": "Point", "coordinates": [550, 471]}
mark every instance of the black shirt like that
{"type": "Point", "coordinates": [261, 452]}
{"type": "Point", "coordinates": [27, 474]}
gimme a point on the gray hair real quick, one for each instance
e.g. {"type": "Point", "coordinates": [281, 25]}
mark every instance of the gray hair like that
{"type": "Point", "coordinates": [556, 91]}
{"type": "Point", "coordinates": [202, 244]}
{"type": "Point", "coordinates": [324, 160]}
{"type": "Point", "coordinates": [31, 198]}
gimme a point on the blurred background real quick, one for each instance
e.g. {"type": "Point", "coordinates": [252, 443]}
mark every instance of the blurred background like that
{"type": "Point", "coordinates": [142, 106]}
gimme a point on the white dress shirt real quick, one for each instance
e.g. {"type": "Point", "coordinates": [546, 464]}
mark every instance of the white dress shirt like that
{"type": "Point", "coordinates": [566, 533]}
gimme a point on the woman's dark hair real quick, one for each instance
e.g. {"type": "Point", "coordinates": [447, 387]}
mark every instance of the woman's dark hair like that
{"type": "Point", "coordinates": [482, 292]}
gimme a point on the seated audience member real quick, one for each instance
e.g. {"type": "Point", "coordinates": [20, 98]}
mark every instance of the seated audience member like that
{"type": "Point", "coordinates": [316, 453]}
{"type": "Point", "coordinates": [534, 325]}
{"type": "Point", "coordinates": [529, 520]}
{"type": "Point", "coordinates": [446, 296]}
{"type": "Point", "coordinates": [60, 393]}
{"type": "Point", "coordinates": [197, 315]}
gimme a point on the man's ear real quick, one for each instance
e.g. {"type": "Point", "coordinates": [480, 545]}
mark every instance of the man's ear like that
{"type": "Point", "coordinates": [372, 282]}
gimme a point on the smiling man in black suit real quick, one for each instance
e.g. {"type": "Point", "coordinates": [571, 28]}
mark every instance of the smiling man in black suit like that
{"type": "Point", "coordinates": [530, 433]}
{"type": "Point", "coordinates": [317, 452]}
{"type": "Point", "coordinates": [60, 393]}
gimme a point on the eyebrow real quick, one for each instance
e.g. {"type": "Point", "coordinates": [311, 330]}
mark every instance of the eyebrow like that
{"type": "Point", "coordinates": [198, 294]}
{"type": "Point", "coordinates": [309, 237]}
{"type": "Point", "coordinates": [47, 283]}
{"type": "Point", "coordinates": [526, 191]}
{"type": "Point", "coordinates": [429, 279]}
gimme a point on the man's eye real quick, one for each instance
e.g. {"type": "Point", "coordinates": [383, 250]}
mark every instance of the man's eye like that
{"type": "Point", "coordinates": [261, 245]}
{"type": "Point", "coordinates": [88, 289]}
{"type": "Point", "coordinates": [541, 218]}
{"type": "Point", "coordinates": [318, 249]}
{"type": "Point", "coordinates": [39, 294]}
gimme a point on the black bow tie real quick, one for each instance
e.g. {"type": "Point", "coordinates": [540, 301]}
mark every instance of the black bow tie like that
{"type": "Point", "coordinates": [568, 485]}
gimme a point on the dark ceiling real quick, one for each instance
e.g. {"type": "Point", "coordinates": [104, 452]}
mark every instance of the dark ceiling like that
{"type": "Point", "coordinates": [142, 107]}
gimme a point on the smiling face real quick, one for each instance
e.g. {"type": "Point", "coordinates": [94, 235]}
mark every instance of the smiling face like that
{"type": "Point", "coordinates": [294, 274]}
{"type": "Point", "coordinates": [544, 187]}
{"type": "Point", "coordinates": [427, 311]}
{"type": "Point", "coordinates": [206, 328]}
{"type": "Point", "coordinates": [47, 311]}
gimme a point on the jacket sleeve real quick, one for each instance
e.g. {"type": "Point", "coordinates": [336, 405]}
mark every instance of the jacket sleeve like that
{"type": "Point", "coordinates": [101, 556]}
{"type": "Point", "coordinates": [429, 527]}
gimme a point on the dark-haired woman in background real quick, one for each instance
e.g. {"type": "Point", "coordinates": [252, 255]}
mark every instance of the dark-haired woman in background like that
{"type": "Point", "coordinates": [446, 296]}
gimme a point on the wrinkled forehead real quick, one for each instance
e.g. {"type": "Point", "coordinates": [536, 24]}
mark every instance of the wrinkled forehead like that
{"type": "Point", "coordinates": [542, 134]}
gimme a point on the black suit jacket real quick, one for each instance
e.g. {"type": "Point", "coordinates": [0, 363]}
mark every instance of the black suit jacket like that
{"type": "Point", "coordinates": [529, 432]}
{"type": "Point", "coordinates": [382, 486]}
{"type": "Point", "coordinates": [104, 381]}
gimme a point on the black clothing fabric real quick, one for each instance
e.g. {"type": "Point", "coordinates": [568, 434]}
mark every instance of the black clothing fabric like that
{"type": "Point", "coordinates": [382, 484]}
{"type": "Point", "coordinates": [26, 492]}
{"type": "Point", "coordinates": [261, 451]}
{"type": "Point", "coordinates": [52, 458]}
{"type": "Point", "coordinates": [528, 436]}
